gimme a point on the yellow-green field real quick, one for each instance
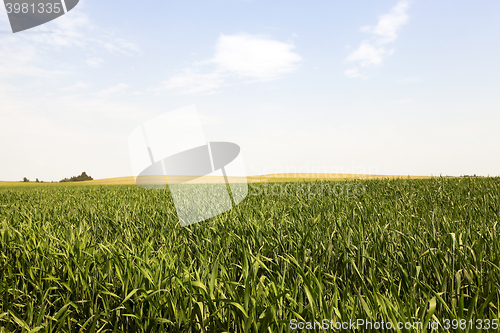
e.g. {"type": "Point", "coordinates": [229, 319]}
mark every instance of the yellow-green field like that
{"type": "Point", "coordinates": [287, 177]}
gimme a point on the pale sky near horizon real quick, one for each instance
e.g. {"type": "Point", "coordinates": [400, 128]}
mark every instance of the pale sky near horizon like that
{"type": "Point", "coordinates": [374, 87]}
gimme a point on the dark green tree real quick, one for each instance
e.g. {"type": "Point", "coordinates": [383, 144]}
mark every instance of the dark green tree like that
{"type": "Point", "coordinates": [82, 177]}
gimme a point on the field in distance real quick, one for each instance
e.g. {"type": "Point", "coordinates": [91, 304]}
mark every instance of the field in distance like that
{"type": "Point", "coordinates": [285, 177]}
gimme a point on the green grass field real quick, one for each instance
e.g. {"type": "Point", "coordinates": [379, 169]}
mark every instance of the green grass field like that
{"type": "Point", "coordinates": [114, 258]}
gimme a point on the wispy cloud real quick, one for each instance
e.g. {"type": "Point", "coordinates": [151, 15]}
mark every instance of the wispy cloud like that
{"type": "Point", "coordinates": [94, 62]}
{"type": "Point", "coordinates": [368, 54]}
{"type": "Point", "coordinates": [26, 53]}
{"type": "Point", "coordinates": [77, 86]}
{"type": "Point", "coordinates": [113, 90]}
{"type": "Point", "coordinates": [191, 82]}
{"type": "Point", "coordinates": [242, 56]}
{"type": "Point", "coordinates": [388, 24]}
{"type": "Point", "coordinates": [22, 57]}
{"type": "Point", "coordinates": [353, 72]}
{"type": "Point", "coordinates": [372, 52]}
{"type": "Point", "coordinates": [119, 45]}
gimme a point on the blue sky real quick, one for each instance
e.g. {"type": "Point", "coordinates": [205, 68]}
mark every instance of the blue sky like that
{"type": "Point", "coordinates": [376, 87]}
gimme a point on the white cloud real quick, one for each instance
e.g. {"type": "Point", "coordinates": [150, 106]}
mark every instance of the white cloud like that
{"type": "Point", "coordinates": [116, 89]}
{"type": "Point", "coordinates": [120, 45]}
{"type": "Point", "coordinates": [388, 24]}
{"type": "Point", "coordinates": [27, 53]}
{"type": "Point", "coordinates": [353, 72]}
{"type": "Point", "coordinates": [20, 56]}
{"type": "Point", "coordinates": [368, 54]}
{"type": "Point", "coordinates": [240, 56]}
{"type": "Point", "coordinates": [70, 30]}
{"type": "Point", "coordinates": [255, 57]}
{"type": "Point", "coordinates": [94, 62]}
{"type": "Point", "coordinates": [77, 86]}
{"type": "Point", "coordinates": [371, 52]}
{"type": "Point", "coordinates": [191, 82]}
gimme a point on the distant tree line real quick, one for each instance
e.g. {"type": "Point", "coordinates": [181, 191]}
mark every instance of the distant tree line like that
{"type": "Point", "coordinates": [26, 180]}
{"type": "Point", "coordinates": [80, 178]}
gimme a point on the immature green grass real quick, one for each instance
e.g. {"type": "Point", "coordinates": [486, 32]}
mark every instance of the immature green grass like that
{"type": "Point", "coordinates": [114, 258]}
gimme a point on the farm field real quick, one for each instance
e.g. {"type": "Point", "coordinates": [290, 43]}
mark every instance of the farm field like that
{"type": "Point", "coordinates": [114, 258]}
{"type": "Point", "coordinates": [286, 177]}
